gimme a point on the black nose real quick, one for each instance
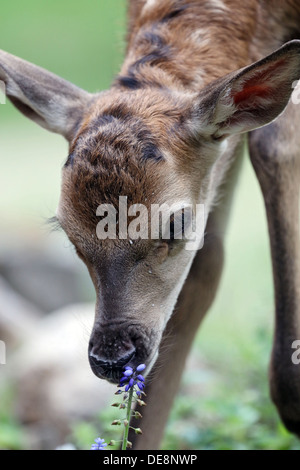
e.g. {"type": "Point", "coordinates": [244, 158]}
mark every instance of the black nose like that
{"type": "Point", "coordinates": [109, 369]}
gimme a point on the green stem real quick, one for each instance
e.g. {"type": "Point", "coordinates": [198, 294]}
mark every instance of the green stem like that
{"type": "Point", "coordinates": [129, 402]}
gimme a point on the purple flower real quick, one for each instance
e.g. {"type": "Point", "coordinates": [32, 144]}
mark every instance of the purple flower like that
{"type": "Point", "coordinates": [132, 377]}
{"type": "Point", "coordinates": [123, 380]}
{"type": "Point", "coordinates": [141, 385]}
{"type": "Point", "coordinates": [100, 444]}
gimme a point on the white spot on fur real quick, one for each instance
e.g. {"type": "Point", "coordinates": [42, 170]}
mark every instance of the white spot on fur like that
{"type": "Point", "coordinates": [149, 4]}
{"type": "Point", "coordinates": [218, 4]}
{"type": "Point", "coordinates": [223, 146]}
{"type": "Point", "coordinates": [200, 37]}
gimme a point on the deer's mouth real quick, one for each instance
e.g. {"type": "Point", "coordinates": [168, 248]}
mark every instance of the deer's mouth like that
{"type": "Point", "coordinates": [110, 351]}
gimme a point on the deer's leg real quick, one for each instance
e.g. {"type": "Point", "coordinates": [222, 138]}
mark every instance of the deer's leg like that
{"type": "Point", "coordinates": [275, 155]}
{"type": "Point", "coordinates": [194, 301]}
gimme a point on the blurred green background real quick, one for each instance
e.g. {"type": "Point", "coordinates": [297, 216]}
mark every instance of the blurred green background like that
{"type": "Point", "coordinates": [223, 402]}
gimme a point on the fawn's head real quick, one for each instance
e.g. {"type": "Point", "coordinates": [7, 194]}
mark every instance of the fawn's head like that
{"type": "Point", "coordinates": [151, 146]}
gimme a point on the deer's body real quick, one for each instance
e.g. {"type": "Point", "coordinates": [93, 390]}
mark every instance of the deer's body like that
{"type": "Point", "coordinates": [172, 128]}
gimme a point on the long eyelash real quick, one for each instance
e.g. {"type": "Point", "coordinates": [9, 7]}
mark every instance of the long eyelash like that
{"type": "Point", "coordinates": [54, 224]}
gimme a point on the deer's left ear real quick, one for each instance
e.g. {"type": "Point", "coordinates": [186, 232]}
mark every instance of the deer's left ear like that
{"type": "Point", "coordinates": [251, 97]}
{"type": "Point", "coordinates": [50, 101]}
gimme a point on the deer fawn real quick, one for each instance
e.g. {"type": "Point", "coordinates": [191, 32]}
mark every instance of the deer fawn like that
{"type": "Point", "coordinates": [198, 78]}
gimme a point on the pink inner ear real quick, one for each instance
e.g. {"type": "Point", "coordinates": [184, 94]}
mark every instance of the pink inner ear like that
{"type": "Point", "coordinates": [262, 91]}
{"type": "Point", "coordinates": [261, 85]}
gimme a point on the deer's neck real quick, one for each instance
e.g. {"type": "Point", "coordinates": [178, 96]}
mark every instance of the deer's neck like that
{"type": "Point", "coordinates": [187, 44]}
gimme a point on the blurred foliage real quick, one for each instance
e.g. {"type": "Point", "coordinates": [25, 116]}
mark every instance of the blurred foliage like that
{"type": "Point", "coordinates": [12, 434]}
{"type": "Point", "coordinates": [221, 405]}
{"type": "Point", "coordinates": [84, 434]}
{"type": "Point", "coordinates": [230, 408]}
{"type": "Point", "coordinates": [83, 43]}
{"type": "Point", "coordinates": [224, 401]}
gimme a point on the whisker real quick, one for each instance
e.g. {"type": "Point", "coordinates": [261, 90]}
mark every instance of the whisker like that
{"type": "Point", "coordinates": [54, 224]}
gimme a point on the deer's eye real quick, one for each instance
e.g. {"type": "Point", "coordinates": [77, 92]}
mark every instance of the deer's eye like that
{"type": "Point", "coordinates": [162, 249]}
{"type": "Point", "coordinates": [174, 231]}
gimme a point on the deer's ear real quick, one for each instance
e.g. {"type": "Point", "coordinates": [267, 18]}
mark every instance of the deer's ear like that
{"type": "Point", "coordinates": [47, 99]}
{"type": "Point", "coordinates": [251, 97]}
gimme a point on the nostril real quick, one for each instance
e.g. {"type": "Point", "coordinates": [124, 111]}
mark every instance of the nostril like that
{"type": "Point", "coordinates": [126, 358]}
{"type": "Point", "coordinates": [103, 365]}
{"type": "Point", "coordinates": [97, 360]}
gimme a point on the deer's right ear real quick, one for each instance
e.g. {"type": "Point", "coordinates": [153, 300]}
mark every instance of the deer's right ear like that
{"type": "Point", "coordinates": [47, 99]}
{"type": "Point", "coordinates": [250, 97]}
